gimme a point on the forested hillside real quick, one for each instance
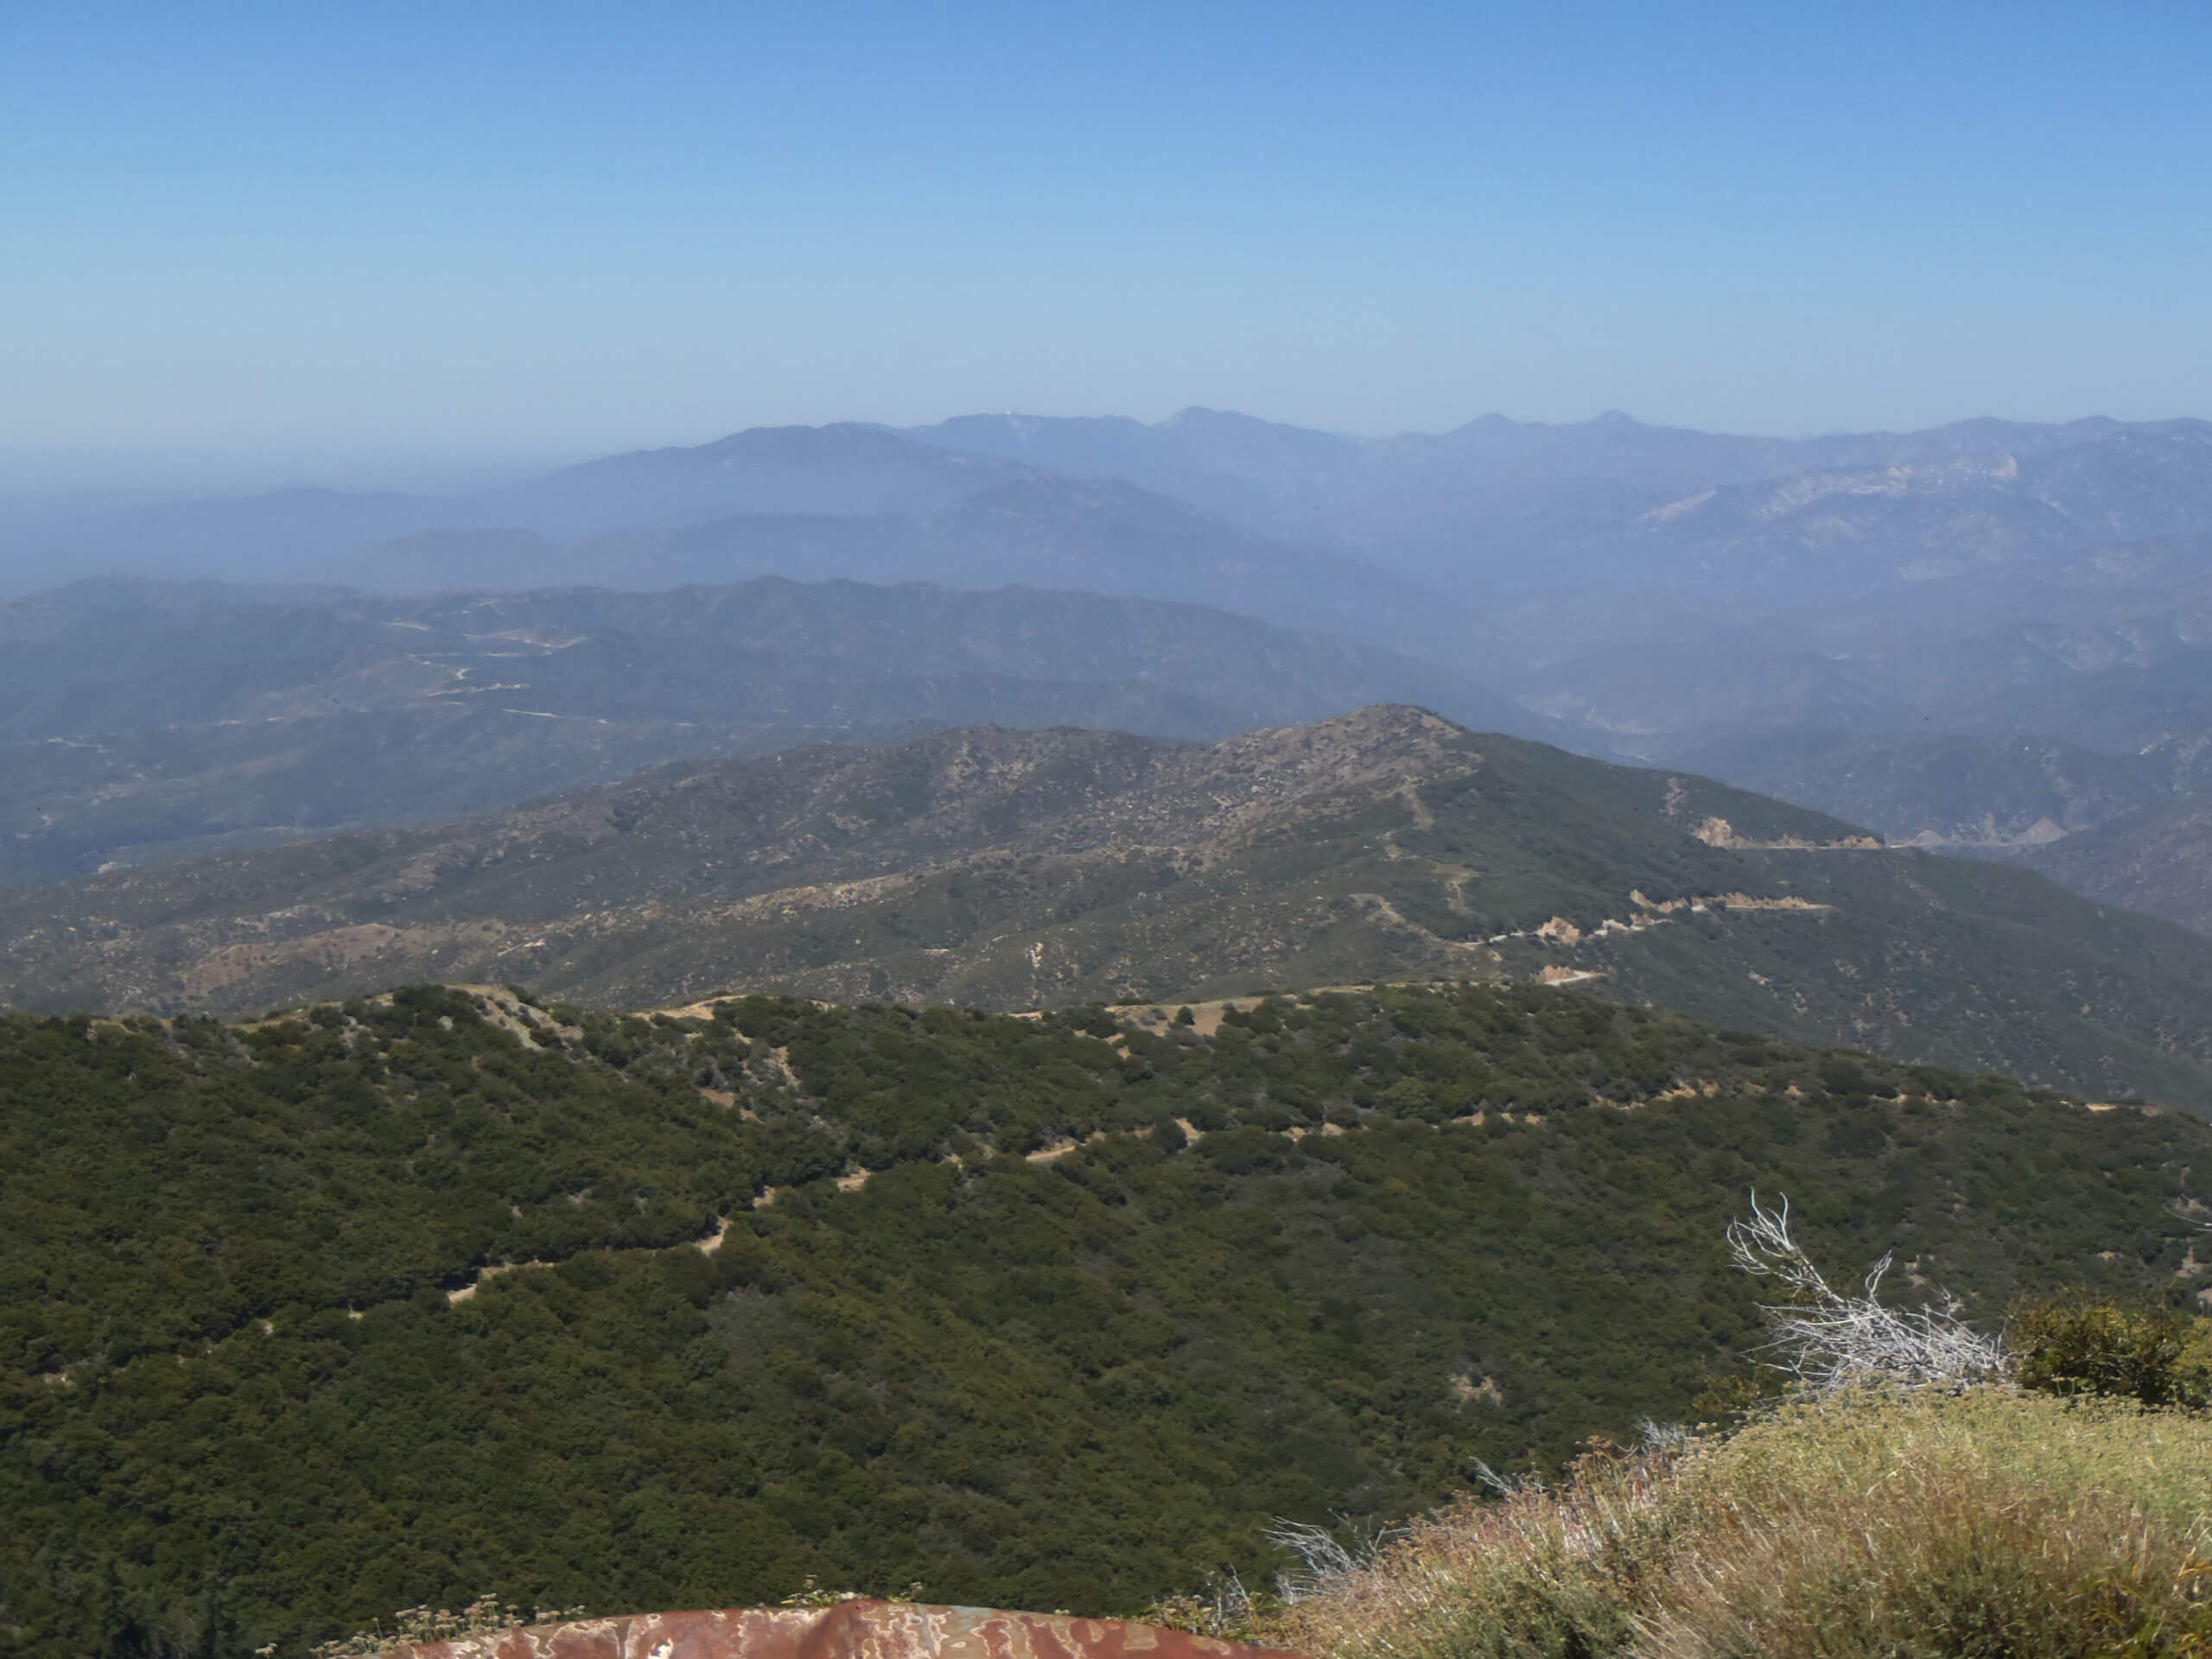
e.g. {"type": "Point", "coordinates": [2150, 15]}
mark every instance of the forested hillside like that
{"type": "Point", "coordinates": [1046, 1311]}
{"type": "Point", "coordinates": [1016, 870]}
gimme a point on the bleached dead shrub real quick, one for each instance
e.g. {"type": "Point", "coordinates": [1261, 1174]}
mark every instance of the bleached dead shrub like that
{"type": "Point", "coordinates": [1829, 1340]}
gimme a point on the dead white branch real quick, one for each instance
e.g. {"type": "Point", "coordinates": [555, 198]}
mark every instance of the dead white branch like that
{"type": "Point", "coordinates": [1831, 1340]}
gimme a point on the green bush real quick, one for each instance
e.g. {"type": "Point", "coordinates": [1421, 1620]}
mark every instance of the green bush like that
{"type": "Point", "coordinates": [2132, 1350]}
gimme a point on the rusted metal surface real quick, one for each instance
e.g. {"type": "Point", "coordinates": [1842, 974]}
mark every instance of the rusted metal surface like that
{"type": "Point", "coordinates": [850, 1629]}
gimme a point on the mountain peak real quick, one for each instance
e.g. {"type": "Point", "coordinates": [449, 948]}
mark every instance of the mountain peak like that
{"type": "Point", "coordinates": [1382, 723]}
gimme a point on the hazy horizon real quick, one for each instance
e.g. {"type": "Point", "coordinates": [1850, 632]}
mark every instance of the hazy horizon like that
{"type": "Point", "coordinates": [155, 472]}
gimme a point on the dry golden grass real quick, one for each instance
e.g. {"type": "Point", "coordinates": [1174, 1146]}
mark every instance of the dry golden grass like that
{"type": "Point", "coordinates": [1988, 1525]}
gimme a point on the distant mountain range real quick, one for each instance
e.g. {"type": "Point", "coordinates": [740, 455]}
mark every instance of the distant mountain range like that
{"type": "Point", "coordinates": [810, 504]}
{"type": "Point", "coordinates": [1500, 546]}
{"type": "Point", "coordinates": [141, 721]}
{"type": "Point", "coordinates": [1796, 615]}
{"type": "Point", "coordinates": [1499, 485]}
{"type": "Point", "coordinates": [1495, 510]}
{"type": "Point", "coordinates": [1016, 870]}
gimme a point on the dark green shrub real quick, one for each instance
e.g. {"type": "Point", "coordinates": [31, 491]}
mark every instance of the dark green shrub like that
{"type": "Point", "coordinates": [2136, 1352]}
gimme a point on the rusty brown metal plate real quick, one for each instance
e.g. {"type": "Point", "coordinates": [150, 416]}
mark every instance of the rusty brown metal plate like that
{"type": "Point", "coordinates": [850, 1629]}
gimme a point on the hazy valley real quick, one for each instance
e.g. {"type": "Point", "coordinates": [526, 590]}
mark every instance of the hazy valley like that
{"type": "Point", "coordinates": [148, 720]}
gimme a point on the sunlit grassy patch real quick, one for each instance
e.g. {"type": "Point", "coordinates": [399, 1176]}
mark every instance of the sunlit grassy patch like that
{"type": "Point", "coordinates": [1989, 1524]}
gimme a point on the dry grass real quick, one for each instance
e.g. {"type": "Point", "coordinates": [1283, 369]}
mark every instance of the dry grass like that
{"type": "Point", "coordinates": [1987, 1525]}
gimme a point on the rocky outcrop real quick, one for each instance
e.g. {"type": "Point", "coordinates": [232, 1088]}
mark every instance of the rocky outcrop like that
{"type": "Point", "coordinates": [847, 1629]}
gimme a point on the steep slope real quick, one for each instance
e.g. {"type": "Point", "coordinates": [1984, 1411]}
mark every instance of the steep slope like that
{"type": "Point", "coordinates": [1014, 870]}
{"type": "Point", "coordinates": [151, 720]}
{"type": "Point", "coordinates": [2157, 861]}
{"type": "Point", "coordinates": [437, 1294]}
{"type": "Point", "coordinates": [1966, 792]}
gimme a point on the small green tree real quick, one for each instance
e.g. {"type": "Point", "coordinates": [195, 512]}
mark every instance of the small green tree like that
{"type": "Point", "coordinates": [2135, 1350]}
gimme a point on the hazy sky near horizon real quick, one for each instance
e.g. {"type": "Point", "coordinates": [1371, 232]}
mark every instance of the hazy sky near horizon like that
{"type": "Point", "coordinates": [504, 228]}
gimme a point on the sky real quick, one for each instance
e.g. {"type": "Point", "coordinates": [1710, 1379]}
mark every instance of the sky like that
{"type": "Point", "coordinates": [485, 232]}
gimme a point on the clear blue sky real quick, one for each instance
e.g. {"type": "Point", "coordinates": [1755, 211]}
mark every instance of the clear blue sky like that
{"type": "Point", "coordinates": [504, 228]}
